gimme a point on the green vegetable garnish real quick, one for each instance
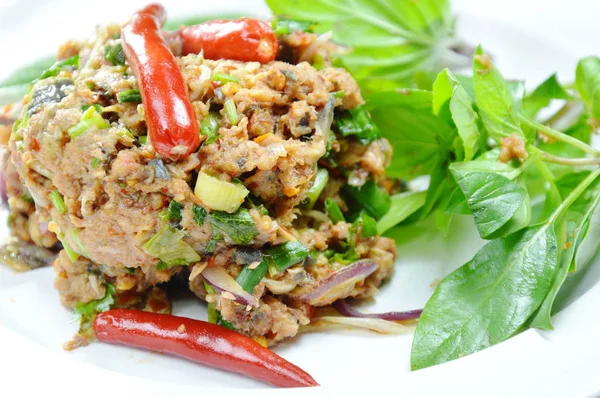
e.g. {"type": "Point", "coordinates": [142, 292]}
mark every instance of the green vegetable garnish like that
{"type": "Point", "coordinates": [168, 246]}
{"type": "Point", "coordinates": [90, 118]}
{"type": "Point", "coordinates": [249, 278]}
{"type": "Point", "coordinates": [223, 78]}
{"type": "Point", "coordinates": [175, 211]}
{"type": "Point", "coordinates": [209, 127]}
{"type": "Point", "coordinates": [58, 202]}
{"type": "Point", "coordinates": [283, 26]}
{"type": "Point", "coordinates": [333, 211]}
{"type": "Point", "coordinates": [286, 255]}
{"type": "Point", "coordinates": [132, 95]}
{"type": "Point", "coordinates": [72, 62]}
{"type": "Point", "coordinates": [115, 54]}
{"type": "Point", "coordinates": [199, 214]}
{"type": "Point", "coordinates": [97, 306]}
{"type": "Point", "coordinates": [374, 200]}
{"type": "Point", "coordinates": [231, 112]}
{"type": "Point", "coordinates": [357, 122]}
{"type": "Point", "coordinates": [321, 179]}
{"type": "Point", "coordinates": [239, 226]}
{"type": "Point", "coordinates": [367, 223]}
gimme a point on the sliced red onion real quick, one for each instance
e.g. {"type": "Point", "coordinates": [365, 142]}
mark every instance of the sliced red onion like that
{"type": "Point", "coordinates": [222, 282]}
{"type": "Point", "coordinates": [337, 285]}
{"type": "Point", "coordinates": [346, 309]}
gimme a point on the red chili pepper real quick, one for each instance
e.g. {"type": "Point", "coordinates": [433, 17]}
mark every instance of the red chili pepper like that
{"type": "Point", "coordinates": [242, 40]}
{"type": "Point", "coordinates": [170, 118]}
{"type": "Point", "coordinates": [201, 342]}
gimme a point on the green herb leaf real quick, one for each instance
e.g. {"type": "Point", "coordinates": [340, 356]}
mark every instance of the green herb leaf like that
{"type": "Point", "coordinates": [494, 99]}
{"type": "Point", "coordinates": [587, 81]}
{"type": "Point", "coordinates": [28, 73]}
{"type": "Point", "coordinates": [576, 223]}
{"type": "Point", "coordinates": [499, 205]}
{"type": "Point", "coordinates": [402, 206]}
{"type": "Point", "coordinates": [391, 41]}
{"type": "Point", "coordinates": [168, 245]}
{"type": "Point", "coordinates": [199, 214]}
{"type": "Point", "coordinates": [368, 225]}
{"type": "Point", "coordinates": [312, 195]}
{"type": "Point", "coordinates": [540, 98]}
{"type": "Point", "coordinates": [175, 211]}
{"type": "Point", "coordinates": [357, 122]}
{"type": "Point", "coordinates": [97, 306]}
{"type": "Point", "coordinates": [448, 89]}
{"type": "Point", "coordinates": [406, 119]}
{"type": "Point", "coordinates": [369, 197]}
{"type": "Point", "coordinates": [488, 299]}
{"type": "Point", "coordinates": [239, 226]}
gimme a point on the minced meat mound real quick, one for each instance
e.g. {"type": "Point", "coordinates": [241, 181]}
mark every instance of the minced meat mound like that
{"type": "Point", "coordinates": [116, 192]}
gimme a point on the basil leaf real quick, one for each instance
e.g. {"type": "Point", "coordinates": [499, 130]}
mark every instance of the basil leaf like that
{"type": "Point", "coordinates": [390, 40]}
{"type": "Point", "coordinates": [494, 99]}
{"type": "Point", "coordinates": [447, 88]}
{"type": "Point", "coordinates": [406, 119]}
{"type": "Point", "coordinates": [540, 98]}
{"type": "Point", "coordinates": [499, 205]}
{"type": "Point", "coordinates": [26, 74]}
{"type": "Point", "coordinates": [403, 205]}
{"type": "Point", "coordinates": [576, 225]}
{"type": "Point", "coordinates": [587, 81]}
{"type": "Point", "coordinates": [488, 299]}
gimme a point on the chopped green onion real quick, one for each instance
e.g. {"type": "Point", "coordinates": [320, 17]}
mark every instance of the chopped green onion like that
{"type": "Point", "coordinates": [223, 322]}
{"type": "Point", "coordinates": [224, 78]}
{"type": "Point", "coordinates": [73, 256]}
{"type": "Point", "coordinates": [168, 245]}
{"type": "Point", "coordinates": [321, 179]}
{"type": "Point", "coordinates": [130, 271]}
{"type": "Point", "coordinates": [164, 215]}
{"type": "Point", "coordinates": [97, 306]}
{"type": "Point", "coordinates": [16, 125]}
{"type": "Point", "coordinates": [175, 211]}
{"type": "Point", "coordinates": [161, 265]}
{"type": "Point", "coordinates": [199, 214]}
{"type": "Point", "coordinates": [143, 139]}
{"type": "Point", "coordinates": [339, 94]}
{"type": "Point", "coordinates": [218, 194]}
{"type": "Point", "coordinates": [249, 278]}
{"type": "Point", "coordinates": [115, 54]}
{"type": "Point", "coordinates": [231, 112]}
{"type": "Point", "coordinates": [287, 26]}
{"type": "Point", "coordinates": [27, 197]}
{"type": "Point", "coordinates": [367, 223]}
{"type": "Point", "coordinates": [58, 67]}
{"type": "Point", "coordinates": [209, 127]}
{"type": "Point", "coordinates": [74, 235]}
{"type": "Point", "coordinates": [95, 163]}
{"type": "Point", "coordinates": [286, 255]}
{"type": "Point", "coordinates": [239, 226]}
{"type": "Point", "coordinates": [374, 200]}
{"type": "Point", "coordinates": [132, 95]}
{"type": "Point", "coordinates": [98, 107]}
{"type": "Point", "coordinates": [357, 122]}
{"type": "Point", "coordinates": [58, 202]}
{"type": "Point", "coordinates": [318, 62]}
{"type": "Point", "coordinates": [90, 118]}
{"type": "Point", "coordinates": [333, 211]}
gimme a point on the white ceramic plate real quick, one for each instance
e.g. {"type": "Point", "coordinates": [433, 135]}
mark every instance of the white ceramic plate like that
{"type": "Point", "coordinates": [529, 39]}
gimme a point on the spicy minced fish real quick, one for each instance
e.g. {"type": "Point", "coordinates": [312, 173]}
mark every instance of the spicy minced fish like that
{"type": "Point", "coordinates": [271, 216]}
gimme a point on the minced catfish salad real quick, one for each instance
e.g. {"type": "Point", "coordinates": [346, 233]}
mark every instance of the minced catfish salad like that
{"type": "Point", "coordinates": [268, 215]}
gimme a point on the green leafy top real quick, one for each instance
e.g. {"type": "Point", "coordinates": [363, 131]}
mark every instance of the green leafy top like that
{"type": "Point", "coordinates": [390, 40]}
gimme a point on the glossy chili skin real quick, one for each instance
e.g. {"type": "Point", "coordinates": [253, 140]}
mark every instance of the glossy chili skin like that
{"type": "Point", "coordinates": [200, 342]}
{"type": "Point", "coordinates": [171, 120]}
{"type": "Point", "coordinates": [245, 40]}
